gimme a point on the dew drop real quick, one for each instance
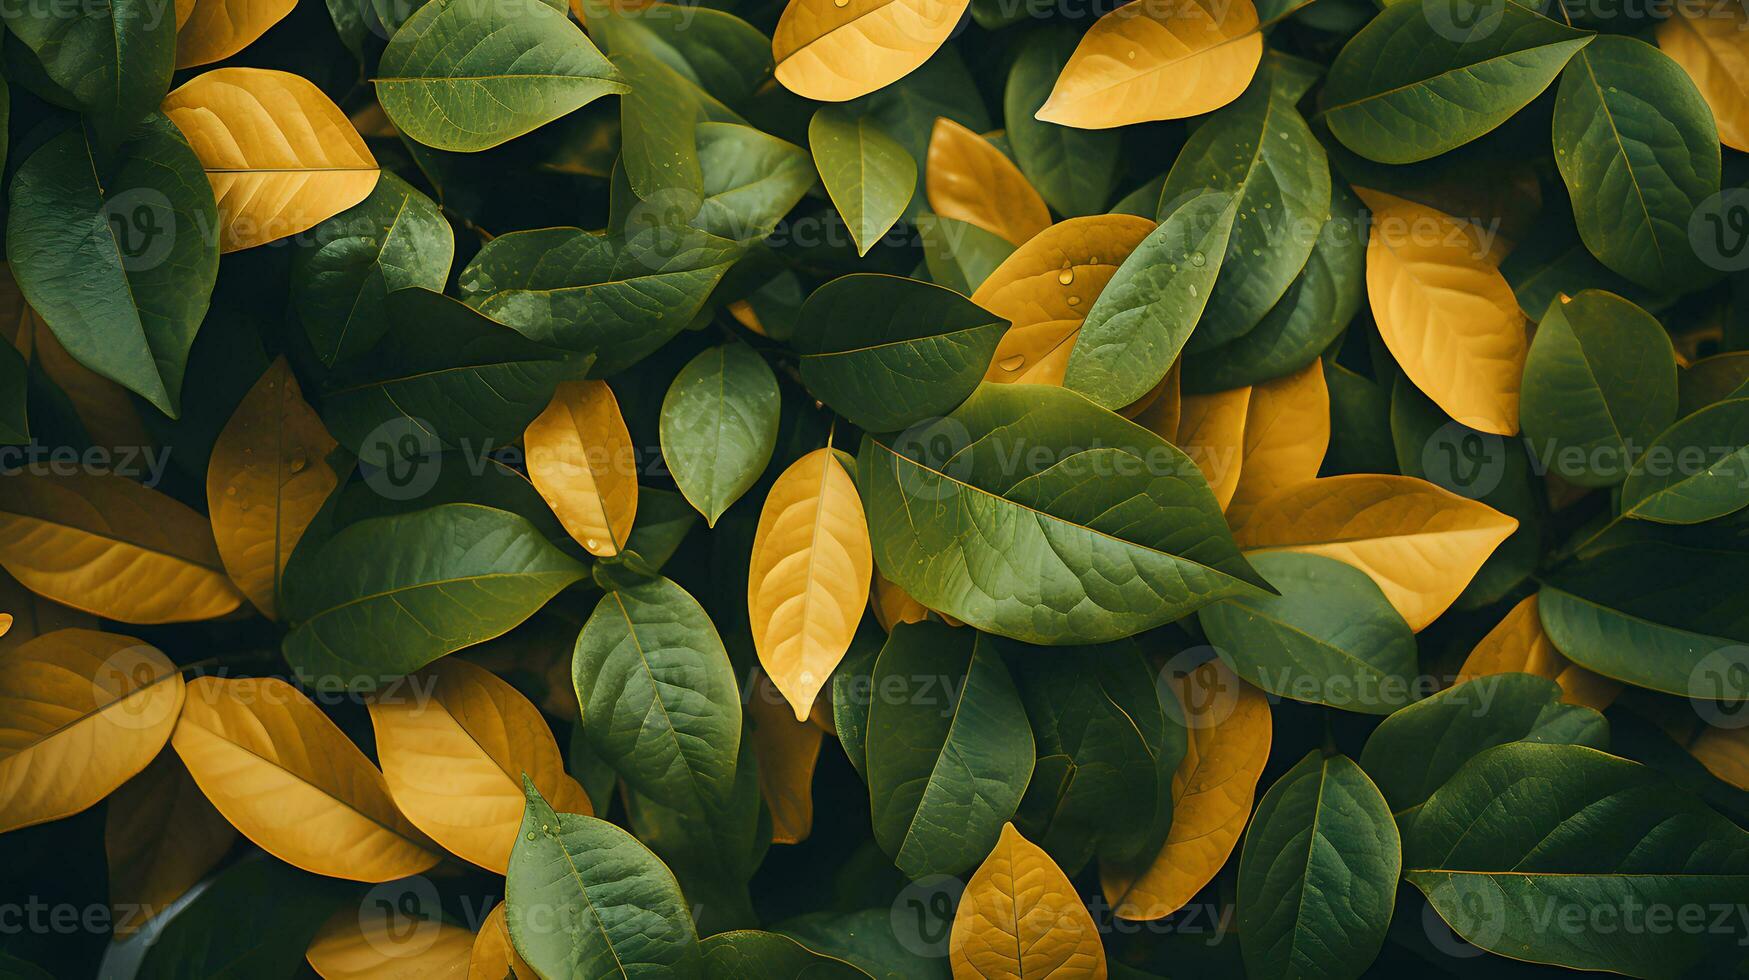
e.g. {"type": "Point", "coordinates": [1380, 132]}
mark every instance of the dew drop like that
{"type": "Point", "coordinates": [1066, 276]}
{"type": "Point", "coordinates": [1074, 301]}
{"type": "Point", "coordinates": [1131, 55]}
{"type": "Point", "coordinates": [230, 491]}
{"type": "Point", "coordinates": [1193, 289]}
{"type": "Point", "coordinates": [1012, 363]}
{"type": "Point", "coordinates": [1257, 251]}
{"type": "Point", "coordinates": [298, 461]}
{"type": "Point", "coordinates": [1197, 259]}
{"type": "Point", "coordinates": [591, 544]}
{"type": "Point", "coordinates": [840, 3]}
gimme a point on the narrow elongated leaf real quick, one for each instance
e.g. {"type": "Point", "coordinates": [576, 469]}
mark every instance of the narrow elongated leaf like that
{"type": "Point", "coordinates": [161, 837]}
{"type": "Point", "coordinates": [286, 777]}
{"type": "Point", "coordinates": [1093, 545]}
{"type": "Point", "coordinates": [968, 179]}
{"type": "Point", "coordinates": [719, 426]}
{"type": "Point", "coordinates": [581, 459]}
{"type": "Point", "coordinates": [869, 176]}
{"type": "Point", "coordinates": [213, 30]}
{"type": "Point", "coordinates": [1074, 170]}
{"type": "Point", "coordinates": [1709, 46]}
{"type": "Point", "coordinates": [1518, 644]}
{"type": "Point", "coordinates": [1318, 875]}
{"type": "Point", "coordinates": [83, 712]}
{"type": "Point", "coordinates": [1020, 917]}
{"type": "Point", "coordinates": [833, 52]}
{"type": "Point", "coordinates": [1696, 470]}
{"type": "Point", "coordinates": [387, 596]}
{"type": "Point", "coordinates": [467, 75]}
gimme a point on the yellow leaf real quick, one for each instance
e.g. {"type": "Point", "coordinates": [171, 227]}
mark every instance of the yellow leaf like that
{"type": "Point", "coordinates": [787, 750]}
{"type": "Point", "coordinates": [809, 576]}
{"type": "Point", "coordinates": [281, 156]}
{"type": "Point", "coordinates": [493, 956]}
{"type": "Point", "coordinates": [184, 10]}
{"type": "Point", "coordinates": [1211, 431]}
{"type": "Point", "coordinates": [454, 743]}
{"type": "Point", "coordinates": [968, 179]}
{"type": "Point", "coordinates": [213, 30]}
{"type": "Point", "coordinates": [1712, 45]}
{"type": "Point", "coordinates": [1420, 543]}
{"type": "Point", "coordinates": [1019, 917]}
{"type": "Point", "coordinates": [1445, 311]}
{"type": "Point", "coordinates": [745, 315]}
{"type": "Point", "coordinates": [892, 605]}
{"type": "Point", "coordinates": [267, 478]}
{"type": "Point", "coordinates": [285, 776]}
{"type": "Point", "coordinates": [81, 712]}
{"type": "Point", "coordinates": [373, 942]}
{"type": "Point", "coordinates": [1228, 725]}
{"type": "Point", "coordinates": [5, 623]}
{"type": "Point", "coordinates": [1168, 59]}
{"type": "Point", "coordinates": [111, 547]}
{"type": "Point", "coordinates": [1725, 753]}
{"type": "Point", "coordinates": [162, 837]}
{"type": "Point", "coordinates": [581, 459]}
{"type": "Point", "coordinates": [1517, 644]}
{"type": "Point", "coordinates": [1149, 404]}
{"type": "Point", "coordinates": [837, 50]}
{"type": "Point", "coordinates": [32, 615]}
{"type": "Point", "coordinates": [1287, 431]}
{"type": "Point", "coordinates": [1045, 288]}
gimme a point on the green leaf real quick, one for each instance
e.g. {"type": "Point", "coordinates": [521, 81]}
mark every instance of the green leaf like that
{"type": "Point", "coordinates": [750, 180]}
{"type": "Point", "coordinates": [453, 477]}
{"type": "Point", "coordinates": [1106, 530]}
{"type": "Point", "coordinates": [1074, 170]}
{"type": "Point", "coordinates": [584, 899]}
{"type": "Point", "coordinates": [658, 695]}
{"type": "Point", "coordinates": [719, 426]}
{"type": "Point", "coordinates": [1638, 150]}
{"type": "Point", "coordinates": [749, 954]}
{"type": "Point", "coordinates": [1360, 423]}
{"type": "Point", "coordinates": [663, 522]}
{"type": "Point", "coordinates": [614, 297]}
{"type": "Point", "coordinates": [958, 254]}
{"type": "Point", "coordinates": [713, 49]}
{"type": "Point", "coordinates": [1525, 835]}
{"type": "Point", "coordinates": [1424, 78]}
{"type": "Point", "coordinates": [1318, 875]}
{"type": "Point", "coordinates": [1418, 749]}
{"type": "Point", "coordinates": [869, 175]}
{"type": "Point", "coordinates": [228, 931]}
{"type": "Point", "coordinates": [344, 269]}
{"type": "Point", "coordinates": [1599, 386]}
{"type": "Point", "coordinates": [14, 382]}
{"type": "Point", "coordinates": [467, 75]}
{"type": "Point", "coordinates": [1696, 470]}
{"type": "Point", "coordinates": [443, 377]}
{"type": "Point", "coordinates": [387, 596]}
{"type": "Point", "coordinates": [1331, 637]}
{"type": "Point", "coordinates": [118, 260]}
{"type": "Point", "coordinates": [853, 693]}
{"type": "Point", "coordinates": [1261, 152]}
{"type": "Point", "coordinates": [885, 351]}
{"type": "Point", "coordinates": [112, 58]}
{"type": "Point", "coordinates": [870, 939]}
{"type": "Point", "coordinates": [907, 109]}
{"type": "Point", "coordinates": [1142, 318]}
{"type": "Point", "coordinates": [1551, 262]}
{"type": "Point", "coordinates": [948, 754]}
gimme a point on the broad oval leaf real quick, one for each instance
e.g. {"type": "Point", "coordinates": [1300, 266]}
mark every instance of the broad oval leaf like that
{"type": "Point", "coordinates": [1696, 470]}
{"type": "Point", "coordinates": [833, 52]}
{"type": "Point", "coordinates": [748, 954]}
{"type": "Point", "coordinates": [1420, 543]}
{"type": "Point", "coordinates": [286, 777]}
{"type": "Point", "coordinates": [957, 255]}
{"type": "Point", "coordinates": [281, 157]}
{"type": "Point", "coordinates": [161, 837]}
{"type": "Point", "coordinates": [467, 75]}
{"type": "Point", "coordinates": [387, 596]}
{"type": "Point", "coordinates": [658, 695]}
{"type": "Point", "coordinates": [1445, 311]}
{"type": "Point", "coordinates": [869, 176]}
{"type": "Point", "coordinates": [581, 459]}
{"type": "Point", "coordinates": [887, 352]}
{"type": "Point", "coordinates": [374, 942]}
{"type": "Point", "coordinates": [111, 60]}
{"type": "Point", "coordinates": [1517, 644]}
{"type": "Point", "coordinates": [719, 426]}
{"type": "Point", "coordinates": [1150, 61]}
{"type": "Point", "coordinates": [1032, 513]}
{"type": "Point", "coordinates": [948, 754]}
{"type": "Point", "coordinates": [968, 179]}
{"type": "Point", "coordinates": [1020, 917]}
{"type": "Point", "coordinates": [216, 29]}
{"type": "Point", "coordinates": [1426, 77]}
{"type": "Point", "coordinates": [111, 547]}
{"type": "Point", "coordinates": [81, 712]}
{"type": "Point", "coordinates": [454, 755]}
{"type": "Point", "coordinates": [1709, 45]}
{"type": "Point", "coordinates": [1074, 170]}
{"type": "Point", "coordinates": [808, 577]}
{"type": "Point", "coordinates": [1318, 875]}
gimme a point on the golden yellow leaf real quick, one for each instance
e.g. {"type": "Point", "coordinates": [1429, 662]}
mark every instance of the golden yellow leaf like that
{"type": "Point", "coordinates": [1165, 409]}
{"type": "Point", "coordinates": [493, 956]}
{"type": "Point", "coordinates": [1165, 59]}
{"type": "Point", "coordinates": [1287, 431]}
{"type": "Point", "coordinates": [289, 780]}
{"type": "Point", "coordinates": [581, 459]}
{"type": "Point", "coordinates": [1712, 45]}
{"type": "Point", "coordinates": [744, 314]}
{"type": "Point", "coordinates": [454, 742]}
{"type": "Point", "coordinates": [1420, 543]}
{"type": "Point", "coordinates": [809, 576]}
{"type": "Point", "coordinates": [1019, 918]}
{"type": "Point", "coordinates": [81, 712]}
{"type": "Point", "coordinates": [267, 478]}
{"type": "Point", "coordinates": [892, 605]}
{"type": "Point", "coordinates": [213, 30]}
{"type": "Point", "coordinates": [1228, 724]}
{"type": "Point", "coordinates": [371, 942]}
{"type": "Point", "coordinates": [1045, 288]}
{"type": "Point", "coordinates": [837, 50]}
{"type": "Point", "coordinates": [5, 623]}
{"type": "Point", "coordinates": [184, 10]}
{"type": "Point", "coordinates": [968, 179]}
{"type": "Point", "coordinates": [111, 547]}
{"type": "Point", "coordinates": [280, 155]}
{"type": "Point", "coordinates": [1517, 644]}
{"type": "Point", "coordinates": [1445, 311]}
{"type": "Point", "coordinates": [161, 837]}
{"type": "Point", "coordinates": [1725, 753]}
{"type": "Point", "coordinates": [32, 615]}
{"type": "Point", "coordinates": [1211, 431]}
{"type": "Point", "coordinates": [787, 750]}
